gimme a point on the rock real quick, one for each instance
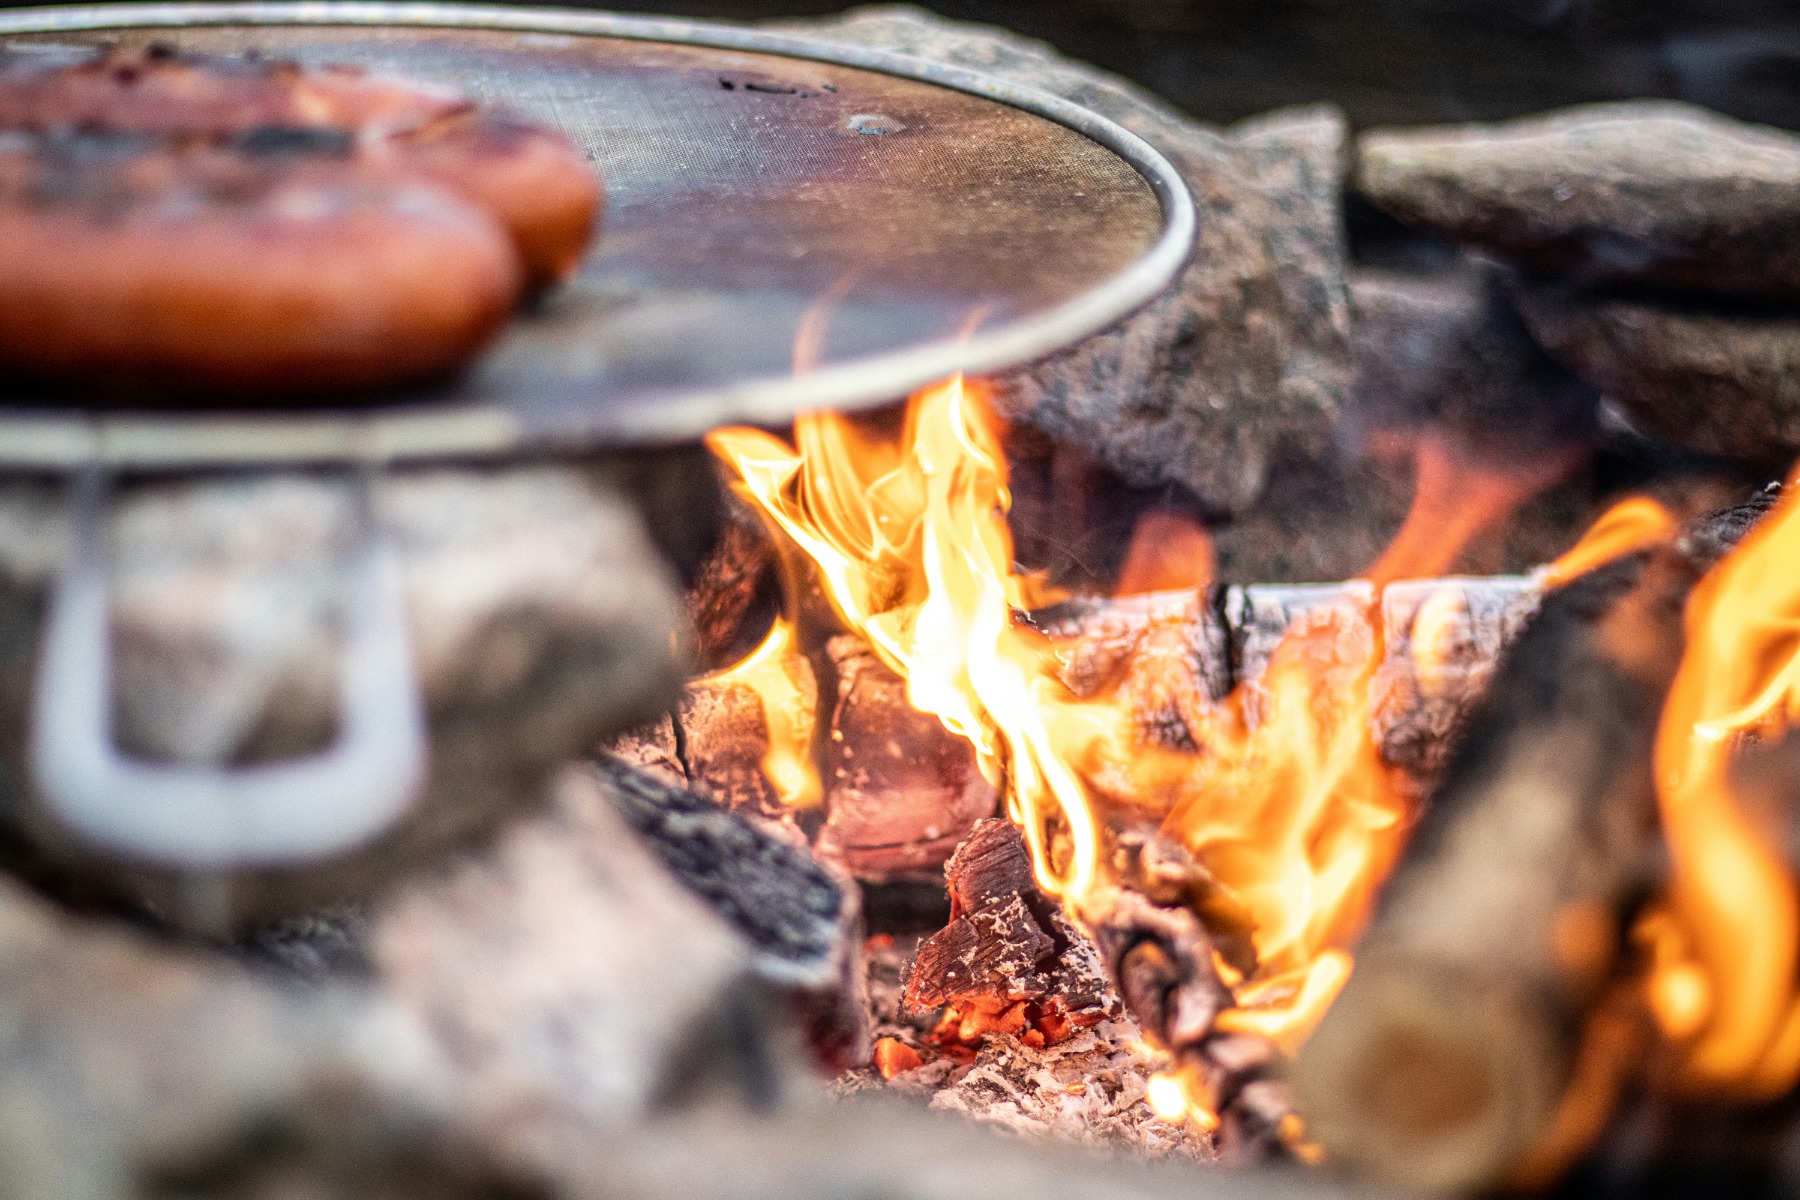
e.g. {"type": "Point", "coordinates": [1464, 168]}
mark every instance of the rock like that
{"type": "Point", "coordinates": [1447, 349]}
{"type": "Point", "coordinates": [1644, 191]}
{"type": "Point", "coordinates": [540, 619]}
{"type": "Point", "coordinates": [1719, 382]}
{"type": "Point", "coordinates": [1246, 357]}
{"type": "Point", "coordinates": [568, 977]}
{"type": "Point", "coordinates": [137, 1069]}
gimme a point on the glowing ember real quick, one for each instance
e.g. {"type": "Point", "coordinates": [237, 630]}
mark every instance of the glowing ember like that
{"type": "Point", "coordinates": [1724, 965]}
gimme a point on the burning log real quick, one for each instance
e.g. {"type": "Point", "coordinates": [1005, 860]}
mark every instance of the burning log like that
{"type": "Point", "coordinates": [1455, 1057]}
{"type": "Point", "coordinates": [735, 579]}
{"type": "Point", "coordinates": [901, 790]}
{"type": "Point", "coordinates": [1155, 935]}
{"type": "Point", "coordinates": [1441, 639]}
{"type": "Point", "coordinates": [726, 737]}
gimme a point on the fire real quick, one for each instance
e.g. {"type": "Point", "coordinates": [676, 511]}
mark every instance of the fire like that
{"type": "Point", "coordinates": [1625, 528]}
{"type": "Point", "coordinates": [1286, 803]}
{"type": "Point", "coordinates": [789, 713]}
{"type": "Point", "coordinates": [1726, 949]}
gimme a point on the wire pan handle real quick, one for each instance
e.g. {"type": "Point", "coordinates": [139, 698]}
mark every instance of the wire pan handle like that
{"type": "Point", "coordinates": [208, 818]}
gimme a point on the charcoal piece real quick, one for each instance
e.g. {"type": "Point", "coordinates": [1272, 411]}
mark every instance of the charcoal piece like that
{"type": "Point", "coordinates": [1443, 1062]}
{"type": "Point", "coordinates": [801, 919]}
{"type": "Point", "coordinates": [1006, 941]}
{"type": "Point", "coordinates": [1246, 357]}
{"type": "Point", "coordinates": [540, 617]}
{"type": "Point", "coordinates": [1644, 191]}
{"type": "Point", "coordinates": [1448, 350]}
{"type": "Point", "coordinates": [901, 791]}
{"type": "Point", "coordinates": [1441, 641]}
{"type": "Point", "coordinates": [1716, 381]}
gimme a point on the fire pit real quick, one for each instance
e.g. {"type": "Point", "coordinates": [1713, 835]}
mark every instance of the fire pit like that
{"type": "Point", "coordinates": [1319, 726]}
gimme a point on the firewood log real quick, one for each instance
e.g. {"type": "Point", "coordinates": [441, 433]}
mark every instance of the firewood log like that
{"type": "Point", "coordinates": [1440, 640]}
{"type": "Point", "coordinates": [801, 918]}
{"type": "Point", "coordinates": [1445, 1060]}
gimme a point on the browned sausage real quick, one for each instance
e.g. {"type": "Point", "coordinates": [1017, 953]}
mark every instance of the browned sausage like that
{"type": "Point", "coordinates": [189, 272]}
{"type": "Point", "coordinates": [530, 177]}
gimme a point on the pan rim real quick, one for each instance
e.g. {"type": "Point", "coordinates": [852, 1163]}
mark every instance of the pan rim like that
{"type": "Point", "coordinates": [175, 439]}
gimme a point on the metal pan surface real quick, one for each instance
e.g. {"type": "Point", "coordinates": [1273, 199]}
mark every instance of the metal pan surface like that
{"type": "Point", "coordinates": [791, 225]}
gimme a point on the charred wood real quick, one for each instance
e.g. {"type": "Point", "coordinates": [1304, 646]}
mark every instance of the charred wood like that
{"type": "Point", "coordinates": [724, 737]}
{"type": "Point", "coordinates": [734, 583]}
{"type": "Point", "coordinates": [1159, 654]}
{"type": "Point", "coordinates": [801, 919]}
{"type": "Point", "coordinates": [1009, 959]}
{"type": "Point", "coordinates": [901, 791]}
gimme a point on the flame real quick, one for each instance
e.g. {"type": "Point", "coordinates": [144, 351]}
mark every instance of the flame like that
{"type": "Point", "coordinates": [1627, 527]}
{"type": "Point", "coordinates": [1724, 960]}
{"type": "Point", "coordinates": [1286, 803]}
{"type": "Point", "coordinates": [1169, 552]}
{"type": "Point", "coordinates": [789, 712]}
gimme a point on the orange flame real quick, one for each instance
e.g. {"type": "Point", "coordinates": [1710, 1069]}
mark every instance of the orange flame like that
{"type": "Point", "coordinates": [1287, 803]}
{"type": "Point", "coordinates": [1169, 552]}
{"type": "Point", "coordinates": [1627, 527]}
{"type": "Point", "coordinates": [1724, 969]}
{"type": "Point", "coordinates": [789, 712]}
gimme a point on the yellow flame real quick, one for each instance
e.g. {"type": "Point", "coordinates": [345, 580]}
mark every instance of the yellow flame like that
{"type": "Point", "coordinates": [789, 713]}
{"type": "Point", "coordinates": [1729, 979]}
{"type": "Point", "coordinates": [1285, 803]}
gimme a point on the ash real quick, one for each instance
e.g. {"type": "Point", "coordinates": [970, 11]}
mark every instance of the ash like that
{"type": "Point", "coordinates": [1088, 1089]}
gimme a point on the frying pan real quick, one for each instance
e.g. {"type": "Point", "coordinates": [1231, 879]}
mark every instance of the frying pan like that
{"type": "Point", "coordinates": [791, 225]}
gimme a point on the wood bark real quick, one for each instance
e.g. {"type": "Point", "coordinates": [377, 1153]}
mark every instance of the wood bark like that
{"type": "Point", "coordinates": [1445, 1060]}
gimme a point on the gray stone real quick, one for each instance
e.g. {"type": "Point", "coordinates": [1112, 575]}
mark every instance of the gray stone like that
{"type": "Point", "coordinates": [137, 1069]}
{"type": "Point", "coordinates": [540, 620]}
{"type": "Point", "coordinates": [1649, 191]}
{"type": "Point", "coordinates": [567, 976]}
{"type": "Point", "coordinates": [1447, 349]}
{"type": "Point", "coordinates": [1723, 383]}
{"type": "Point", "coordinates": [1246, 356]}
